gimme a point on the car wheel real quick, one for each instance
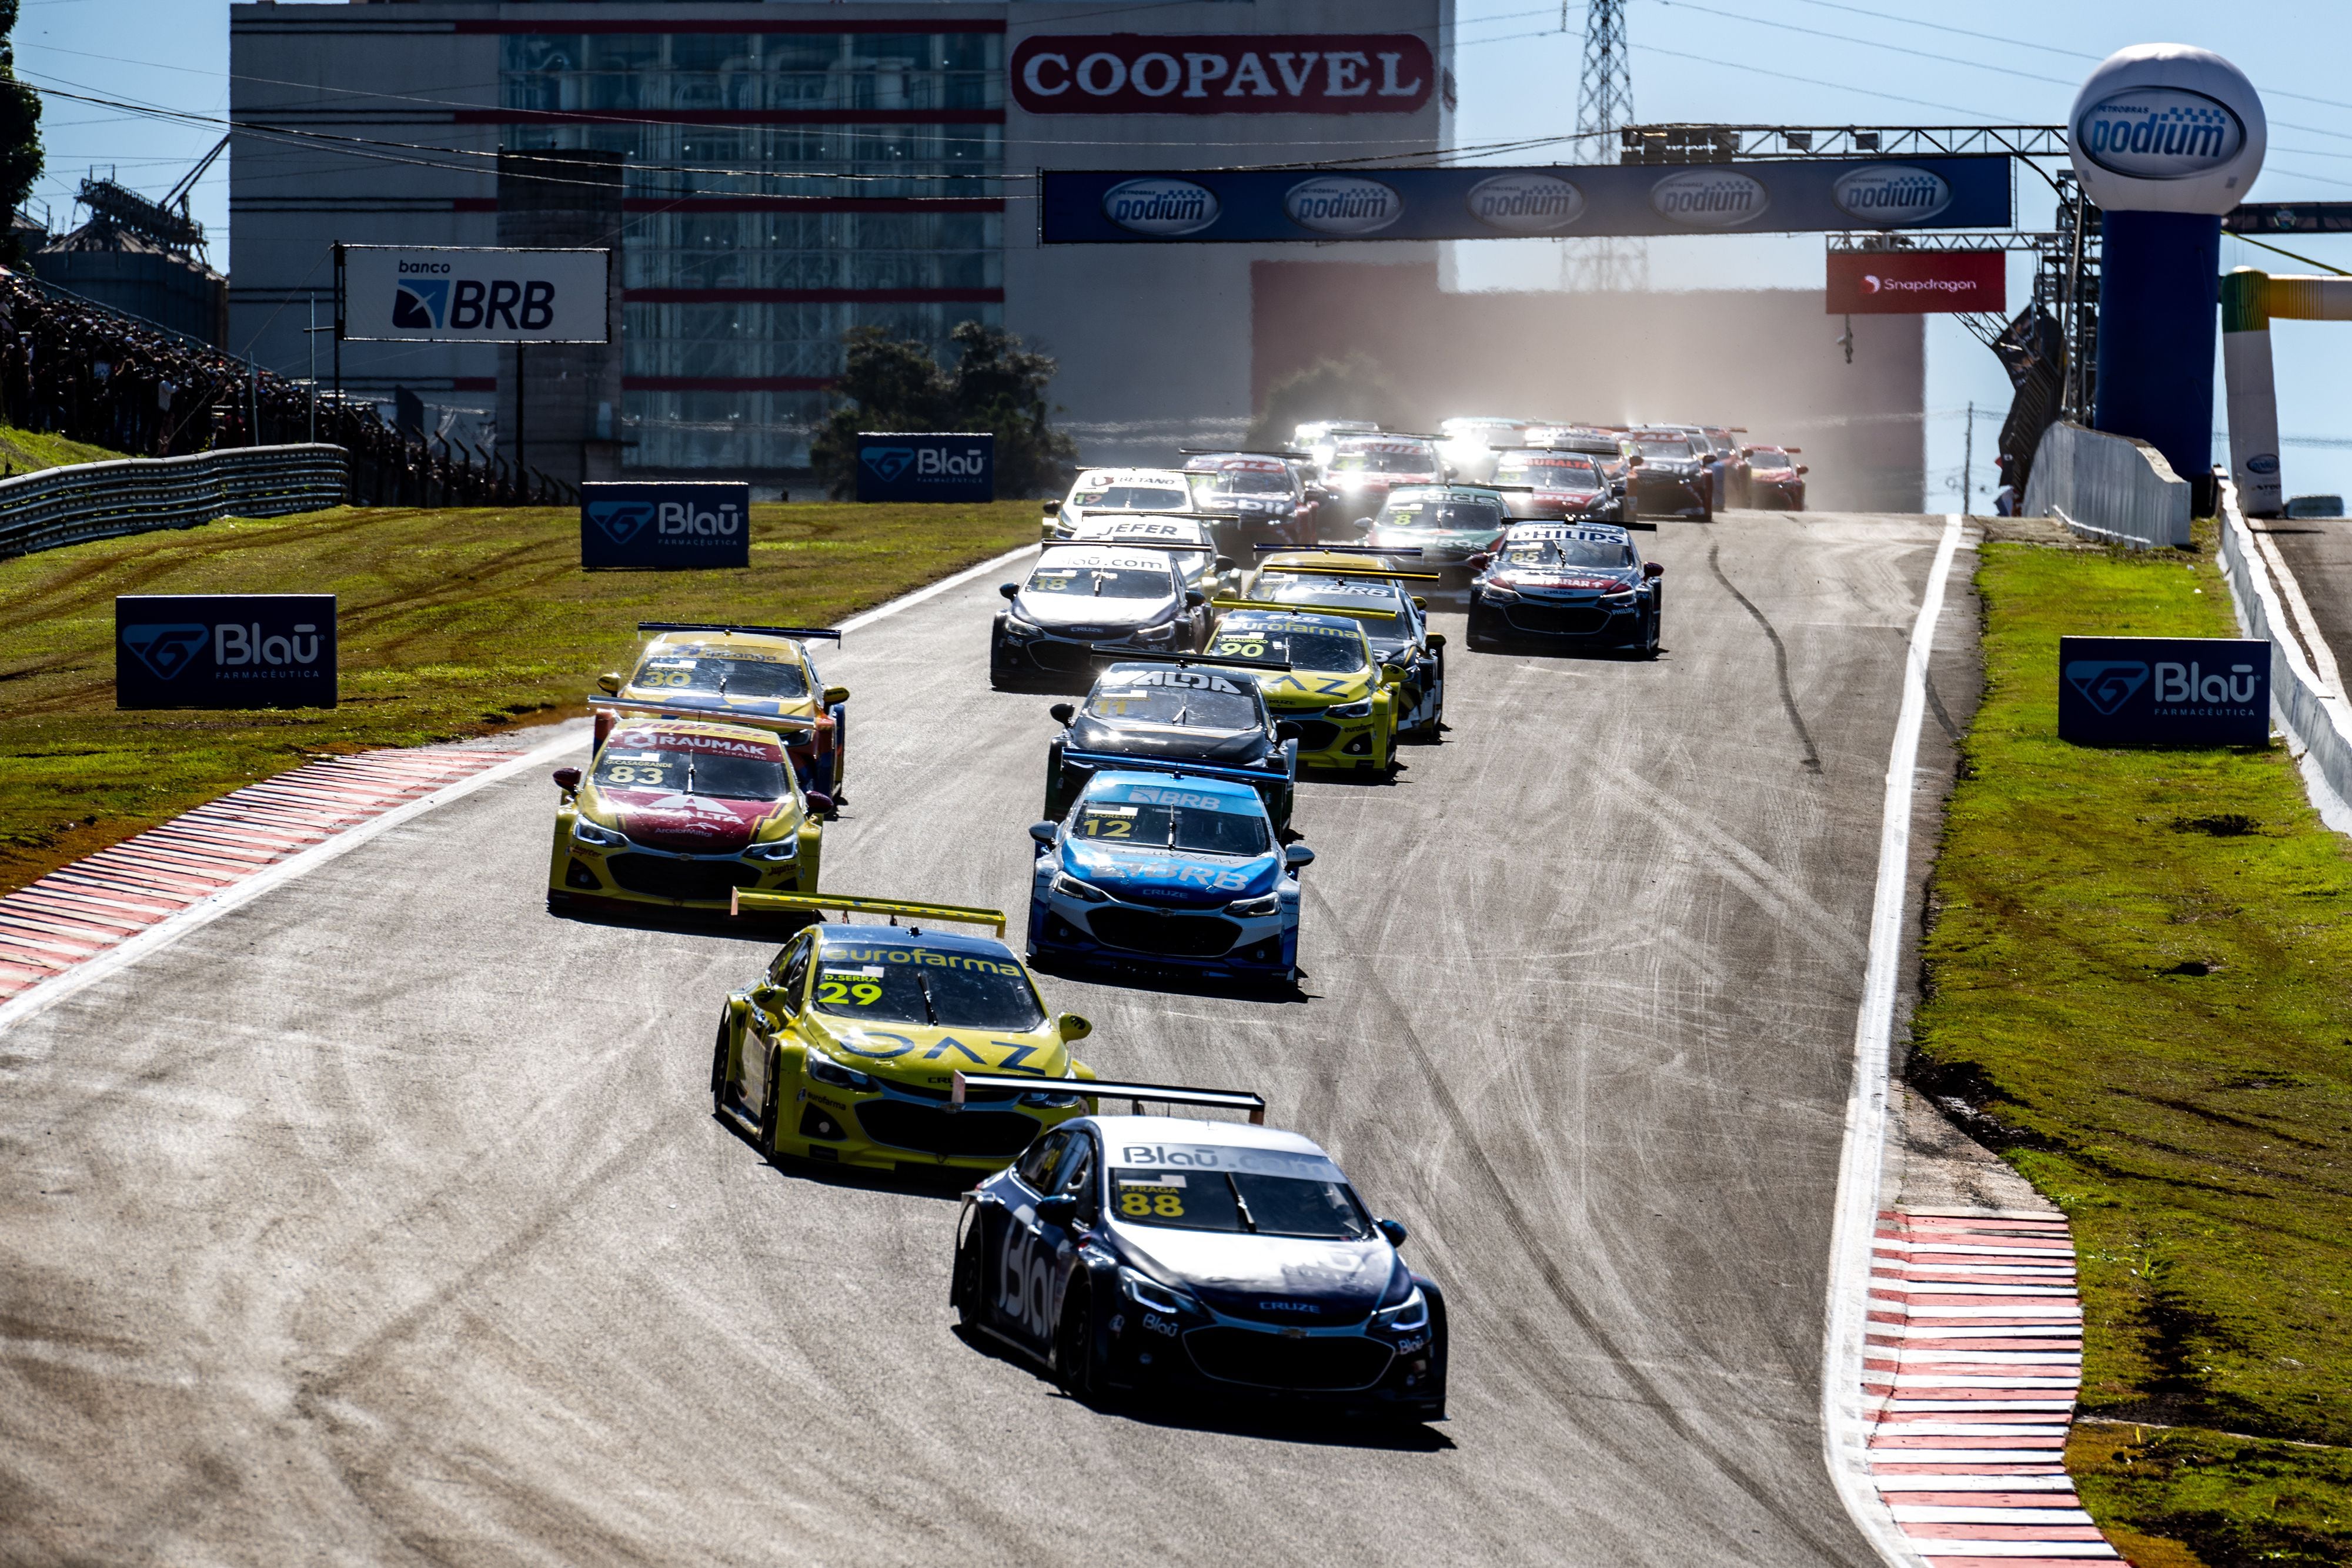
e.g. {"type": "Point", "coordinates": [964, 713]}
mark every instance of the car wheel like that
{"type": "Point", "coordinates": [771, 1107]}
{"type": "Point", "coordinates": [963, 1282]}
{"type": "Point", "coordinates": [1057, 801]}
{"type": "Point", "coordinates": [1481, 632]}
{"type": "Point", "coordinates": [721, 1091]}
{"type": "Point", "coordinates": [1074, 1344]}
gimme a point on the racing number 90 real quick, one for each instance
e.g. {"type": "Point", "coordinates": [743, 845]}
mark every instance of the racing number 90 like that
{"type": "Point", "coordinates": [1233, 647]}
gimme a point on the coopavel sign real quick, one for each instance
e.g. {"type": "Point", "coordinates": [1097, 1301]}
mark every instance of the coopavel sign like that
{"type": "Point", "coordinates": [1917, 282]}
{"type": "Point", "coordinates": [448, 294]}
{"type": "Point", "coordinates": [2164, 691]}
{"type": "Point", "coordinates": [225, 650]}
{"type": "Point", "coordinates": [1135, 73]}
{"type": "Point", "coordinates": [896, 466]}
{"type": "Point", "coordinates": [665, 525]}
{"type": "Point", "coordinates": [1138, 206]}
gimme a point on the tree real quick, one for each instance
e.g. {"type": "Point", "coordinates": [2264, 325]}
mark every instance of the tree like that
{"type": "Point", "coordinates": [1352, 388]}
{"type": "Point", "coordinates": [997, 386]}
{"type": "Point", "coordinates": [20, 128]}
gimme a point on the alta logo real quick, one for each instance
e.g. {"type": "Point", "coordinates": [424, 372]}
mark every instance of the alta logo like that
{"type": "Point", "coordinates": [420, 304]}
{"type": "Point", "coordinates": [888, 462]}
{"type": "Point", "coordinates": [2107, 684]}
{"type": "Point", "coordinates": [167, 650]}
{"type": "Point", "coordinates": [1885, 194]}
{"type": "Point", "coordinates": [2159, 133]}
{"type": "Point", "coordinates": [1526, 203]}
{"type": "Point", "coordinates": [1709, 198]}
{"type": "Point", "coordinates": [1162, 206]}
{"type": "Point", "coordinates": [620, 521]}
{"type": "Point", "coordinates": [1342, 204]}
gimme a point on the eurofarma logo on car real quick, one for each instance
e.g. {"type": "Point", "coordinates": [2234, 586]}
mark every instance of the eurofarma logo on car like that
{"type": "Point", "coordinates": [1162, 206]}
{"type": "Point", "coordinates": [1709, 198]}
{"type": "Point", "coordinates": [1526, 203]}
{"type": "Point", "coordinates": [1885, 194]}
{"type": "Point", "coordinates": [2159, 133]}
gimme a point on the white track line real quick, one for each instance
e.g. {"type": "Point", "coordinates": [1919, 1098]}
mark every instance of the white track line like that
{"type": "Point", "coordinates": [1844, 1429]}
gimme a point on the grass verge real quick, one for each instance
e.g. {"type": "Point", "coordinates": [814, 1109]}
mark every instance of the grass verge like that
{"type": "Point", "coordinates": [25, 451]}
{"type": "Point", "coordinates": [453, 624]}
{"type": "Point", "coordinates": [2137, 990]}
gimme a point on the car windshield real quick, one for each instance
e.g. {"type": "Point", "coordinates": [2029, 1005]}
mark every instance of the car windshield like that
{"type": "Point", "coordinates": [1102, 581]}
{"type": "Point", "coordinates": [1130, 499]}
{"type": "Point", "coordinates": [1552, 554]}
{"type": "Point", "coordinates": [1668, 447]}
{"type": "Point", "coordinates": [1192, 697]}
{"type": "Point", "coordinates": [1190, 829]}
{"type": "Point", "coordinates": [1242, 1202]}
{"type": "Point", "coordinates": [1387, 458]}
{"type": "Point", "coordinates": [1327, 651]}
{"type": "Point", "coordinates": [1242, 482]}
{"type": "Point", "coordinates": [1338, 592]}
{"type": "Point", "coordinates": [938, 988]}
{"type": "Point", "coordinates": [1770, 457]}
{"type": "Point", "coordinates": [691, 773]}
{"type": "Point", "coordinates": [1552, 473]}
{"type": "Point", "coordinates": [715, 677]}
{"type": "Point", "coordinates": [1470, 515]}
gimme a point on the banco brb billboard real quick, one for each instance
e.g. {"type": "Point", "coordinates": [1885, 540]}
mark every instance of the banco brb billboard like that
{"type": "Point", "coordinates": [452, 294]}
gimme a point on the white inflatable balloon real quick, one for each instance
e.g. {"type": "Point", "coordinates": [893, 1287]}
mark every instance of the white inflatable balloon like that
{"type": "Point", "coordinates": [2167, 128]}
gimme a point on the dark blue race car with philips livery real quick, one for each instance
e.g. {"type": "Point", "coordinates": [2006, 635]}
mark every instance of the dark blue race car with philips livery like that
{"type": "Point", "coordinates": [1152, 1256]}
{"type": "Point", "coordinates": [1166, 870]}
{"type": "Point", "coordinates": [1577, 583]}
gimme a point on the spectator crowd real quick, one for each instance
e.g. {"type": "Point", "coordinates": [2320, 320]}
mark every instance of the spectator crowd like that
{"type": "Point", "coordinates": [73, 368]}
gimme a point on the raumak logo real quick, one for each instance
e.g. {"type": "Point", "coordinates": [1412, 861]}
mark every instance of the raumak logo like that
{"type": "Point", "coordinates": [2107, 684]}
{"type": "Point", "coordinates": [620, 521]}
{"type": "Point", "coordinates": [1342, 204]}
{"type": "Point", "coordinates": [1709, 198]}
{"type": "Point", "coordinates": [1886, 195]}
{"type": "Point", "coordinates": [1162, 207]}
{"type": "Point", "coordinates": [167, 650]}
{"type": "Point", "coordinates": [2159, 133]}
{"type": "Point", "coordinates": [1526, 203]}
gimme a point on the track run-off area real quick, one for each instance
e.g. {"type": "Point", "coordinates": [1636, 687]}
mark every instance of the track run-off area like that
{"type": "Point", "coordinates": [384, 1218]}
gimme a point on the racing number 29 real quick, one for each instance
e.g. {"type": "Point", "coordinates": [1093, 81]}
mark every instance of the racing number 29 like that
{"type": "Point", "coordinates": [861, 993]}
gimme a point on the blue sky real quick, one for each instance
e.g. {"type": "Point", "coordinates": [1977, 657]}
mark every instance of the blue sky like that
{"type": "Point", "coordinates": [1867, 62]}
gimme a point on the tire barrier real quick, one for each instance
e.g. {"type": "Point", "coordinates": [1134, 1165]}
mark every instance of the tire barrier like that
{"type": "Point", "coordinates": [2111, 489]}
{"type": "Point", "coordinates": [136, 495]}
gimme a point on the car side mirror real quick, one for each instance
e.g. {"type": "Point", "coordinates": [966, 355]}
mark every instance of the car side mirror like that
{"type": "Point", "coordinates": [1059, 1209]}
{"type": "Point", "coordinates": [1298, 857]}
{"type": "Point", "coordinates": [1653, 569]}
{"type": "Point", "coordinates": [835, 695]}
{"type": "Point", "coordinates": [608, 683]}
{"type": "Point", "coordinates": [1395, 1233]}
{"type": "Point", "coordinates": [1419, 602]}
{"type": "Point", "coordinates": [1802, 468]}
{"type": "Point", "coordinates": [1070, 1026]}
{"type": "Point", "coordinates": [1225, 563]}
{"type": "Point", "coordinates": [820, 803]}
{"type": "Point", "coordinates": [1043, 832]}
{"type": "Point", "coordinates": [1062, 713]}
{"type": "Point", "coordinates": [1195, 599]}
{"type": "Point", "coordinates": [1616, 487]}
{"type": "Point", "coordinates": [1436, 641]}
{"type": "Point", "coordinates": [568, 780]}
{"type": "Point", "coordinates": [1286, 729]}
{"type": "Point", "coordinates": [1391, 675]}
{"type": "Point", "coordinates": [1480, 561]}
{"type": "Point", "coordinates": [1009, 590]}
{"type": "Point", "coordinates": [1052, 509]}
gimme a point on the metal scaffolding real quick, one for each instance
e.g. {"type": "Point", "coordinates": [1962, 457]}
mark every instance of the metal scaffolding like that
{"type": "Point", "coordinates": [1604, 102]}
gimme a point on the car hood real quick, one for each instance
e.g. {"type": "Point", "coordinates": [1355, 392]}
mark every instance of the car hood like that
{"type": "Point", "coordinates": [1306, 689]}
{"type": "Point", "coordinates": [1269, 1279]}
{"type": "Point", "coordinates": [922, 1057]}
{"type": "Point", "coordinates": [1435, 544]}
{"type": "Point", "coordinates": [686, 824]}
{"type": "Point", "coordinates": [1227, 745]}
{"type": "Point", "coordinates": [1069, 612]}
{"type": "Point", "coordinates": [1168, 876]}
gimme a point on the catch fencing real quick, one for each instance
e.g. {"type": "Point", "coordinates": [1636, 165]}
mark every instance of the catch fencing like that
{"type": "Point", "coordinates": [135, 494]}
{"type": "Point", "coordinates": [2108, 488]}
{"type": "Point", "coordinates": [2317, 720]}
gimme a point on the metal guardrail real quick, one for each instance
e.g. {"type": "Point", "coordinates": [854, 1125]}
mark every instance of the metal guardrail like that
{"type": "Point", "coordinates": [2316, 718]}
{"type": "Point", "coordinates": [2107, 487]}
{"type": "Point", "coordinates": [88, 501]}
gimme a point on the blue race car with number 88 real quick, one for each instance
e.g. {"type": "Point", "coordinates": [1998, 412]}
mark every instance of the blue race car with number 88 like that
{"type": "Point", "coordinates": [1166, 869]}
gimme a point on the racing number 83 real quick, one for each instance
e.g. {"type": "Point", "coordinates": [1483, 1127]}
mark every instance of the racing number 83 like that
{"type": "Point", "coordinates": [863, 993]}
{"type": "Point", "coordinates": [1166, 1202]}
{"type": "Point", "coordinates": [632, 773]}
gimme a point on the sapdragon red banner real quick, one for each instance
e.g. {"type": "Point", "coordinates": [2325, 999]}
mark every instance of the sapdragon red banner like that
{"type": "Point", "coordinates": [1251, 73]}
{"type": "Point", "coordinates": [1918, 282]}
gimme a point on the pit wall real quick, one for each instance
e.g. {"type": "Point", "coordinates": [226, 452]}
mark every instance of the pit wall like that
{"type": "Point", "coordinates": [2108, 488]}
{"type": "Point", "coordinates": [2315, 718]}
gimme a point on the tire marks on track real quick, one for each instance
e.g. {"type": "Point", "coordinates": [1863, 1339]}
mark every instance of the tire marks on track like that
{"type": "Point", "coordinates": [1813, 759]}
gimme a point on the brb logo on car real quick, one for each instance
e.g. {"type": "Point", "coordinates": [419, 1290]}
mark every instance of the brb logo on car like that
{"type": "Point", "coordinates": [1526, 203]}
{"type": "Point", "coordinates": [1162, 207]}
{"type": "Point", "coordinates": [1886, 195]}
{"type": "Point", "coordinates": [224, 651]}
{"type": "Point", "coordinates": [2159, 133]}
{"type": "Point", "coordinates": [1709, 198]}
{"type": "Point", "coordinates": [1345, 204]}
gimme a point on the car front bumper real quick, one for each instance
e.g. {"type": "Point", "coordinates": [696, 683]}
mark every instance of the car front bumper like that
{"type": "Point", "coordinates": [1579, 617]}
{"type": "Point", "coordinates": [1208, 939]}
{"type": "Point", "coordinates": [631, 876]}
{"type": "Point", "coordinates": [1207, 1353]}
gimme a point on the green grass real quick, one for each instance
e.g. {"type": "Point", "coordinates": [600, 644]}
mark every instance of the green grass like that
{"type": "Point", "coordinates": [453, 624]}
{"type": "Point", "coordinates": [2136, 976]}
{"type": "Point", "coordinates": [23, 451]}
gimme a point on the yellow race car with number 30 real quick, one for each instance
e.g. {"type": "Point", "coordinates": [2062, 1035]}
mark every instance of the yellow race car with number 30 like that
{"type": "Point", "coordinates": [1337, 691]}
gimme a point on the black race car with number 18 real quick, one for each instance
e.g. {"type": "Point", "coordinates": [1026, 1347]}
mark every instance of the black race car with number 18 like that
{"type": "Point", "coordinates": [1078, 595]}
{"type": "Point", "coordinates": [1581, 582]}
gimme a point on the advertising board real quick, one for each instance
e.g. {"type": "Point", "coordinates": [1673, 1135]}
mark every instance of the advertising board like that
{"type": "Point", "coordinates": [1917, 282]}
{"type": "Point", "coordinates": [225, 650]}
{"type": "Point", "coordinates": [1764, 196]}
{"type": "Point", "coordinates": [1249, 73]}
{"type": "Point", "coordinates": [450, 294]}
{"type": "Point", "coordinates": [665, 525]}
{"type": "Point", "coordinates": [2164, 691]}
{"type": "Point", "coordinates": [930, 465]}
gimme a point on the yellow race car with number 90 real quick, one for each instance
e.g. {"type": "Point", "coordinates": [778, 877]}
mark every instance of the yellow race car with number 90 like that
{"type": "Point", "coordinates": [1337, 691]}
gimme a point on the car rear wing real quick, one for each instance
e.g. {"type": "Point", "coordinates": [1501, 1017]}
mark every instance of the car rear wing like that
{"type": "Point", "coordinates": [1303, 609]}
{"type": "Point", "coordinates": [1112, 762]}
{"type": "Point", "coordinates": [1346, 549]}
{"type": "Point", "coordinates": [962, 1084]}
{"type": "Point", "coordinates": [1289, 452]}
{"type": "Point", "coordinates": [739, 901]}
{"type": "Point", "coordinates": [734, 626]}
{"type": "Point", "coordinates": [1132, 544]}
{"type": "Point", "coordinates": [1119, 655]}
{"type": "Point", "coordinates": [1371, 572]}
{"type": "Point", "coordinates": [782, 724]}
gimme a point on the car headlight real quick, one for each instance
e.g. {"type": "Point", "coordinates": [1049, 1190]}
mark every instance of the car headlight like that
{"type": "Point", "coordinates": [1156, 633]}
{"type": "Point", "coordinates": [1154, 1296]}
{"type": "Point", "coordinates": [1046, 1099]}
{"type": "Point", "coordinates": [825, 1070]}
{"type": "Point", "coordinates": [587, 832]}
{"type": "Point", "coordinates": [1496, 588]}
{"type": "Point", "coordinates": [782, 850]}
{"type": "Point", "coordinates": [1618, 600]}
{"type": "Point", "coordinates": [1409, 1314]}
{"type": "Point", "coordinates": [1069, 886]}
{"type": "Point", "coordinates": [1016, 625]}
{"type": "Point", "coordinates": [1270, 904]}
{"type": "Point", "coordinates": [1350, 710]}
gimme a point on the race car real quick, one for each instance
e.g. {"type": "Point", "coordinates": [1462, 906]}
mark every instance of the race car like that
{"type": "Point", "coordinates": [1345, 579]}
{"type": "Point", "coordinates": [1173, 870]}
{"type": "Point", "coordinates": [1185, 538]}
{"type": "Point", "coordinates": [1468, 444]}
{"type": "Point", "coordinates": [763, 675]}
{"type": "Point", "coordinates": [1364, 469]}
{"type": "Point", "coordinates": [678, 813]}
{"type": "Point", "coordinates": [843, 1051]}
{"type": "Point", "coordinates": [1170, 712]}
{"type": "Point", "coordinates": [1079, 596]}
{"type": "Point", "coordinates": [1440, 527]}
{"type": "Point", "coordinates": [1251, 497]}
{"type": "Point", "coordinates": [1567, 479]}
{"type": "Point", "coordinates": [1316, 437]}
{"type": "Point", "coordinates": [1113, 491]}
{"type": "Point", "coordinates": [1157, 1256]}
{"type": "Point", "coordinates": [1776, 480]}
{"type": "Point", "coordinates": [1674, 479]}
{"type": "Point", "coordinates": [1575, 581]}
{"type": "Point", "coordinates": [1336, 690]}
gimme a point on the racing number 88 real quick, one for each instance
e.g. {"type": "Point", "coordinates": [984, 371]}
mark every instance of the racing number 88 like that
{"type": "Point", "coordinates": [1166, 1203]}
{"type": "Point", "coordinates": [864, 994]}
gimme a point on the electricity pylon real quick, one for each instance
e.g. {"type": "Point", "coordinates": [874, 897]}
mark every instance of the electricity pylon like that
{"type": "Point", "coordinates": [1604, 101]}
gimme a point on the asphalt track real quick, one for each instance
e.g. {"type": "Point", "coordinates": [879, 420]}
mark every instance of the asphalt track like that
{"type": "Point", "coordinates": [384, 1219]}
